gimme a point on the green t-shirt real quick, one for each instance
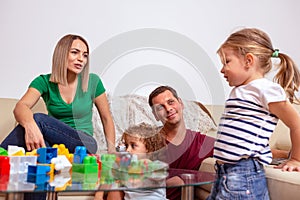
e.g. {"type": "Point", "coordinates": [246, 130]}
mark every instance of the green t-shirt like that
{"type": "Point", "coordinates": [77, 114]}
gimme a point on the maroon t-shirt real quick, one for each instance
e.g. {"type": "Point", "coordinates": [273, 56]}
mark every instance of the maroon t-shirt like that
{"type": "Point", "coordinates": [188, 155]}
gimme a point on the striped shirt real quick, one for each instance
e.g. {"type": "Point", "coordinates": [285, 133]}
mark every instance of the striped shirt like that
{"type": "Point", "coordinates": [246, 124]}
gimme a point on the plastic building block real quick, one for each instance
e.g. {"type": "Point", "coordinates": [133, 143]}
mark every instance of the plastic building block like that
{"type": "Point", "coordinates": [4, 172]}
{"type": "Point", "coordinates": [4, 182]}
{"type": "Point", "coordinates": [4, 166]}
{"type": "Point", "coordinates": [45, 154]}
{"type": "Point", "coordinates": [38, 179]}
{"type": "Point", "coordinates": [15, 150]}
{"type": "Point", "coordinates": [43, 186]}
{"type": "Point", "coordinates": [157, 166]}
{"type": "Point", "coordinates": [17, 182]}
{"type": "Point", "coordinates": [78, 167]}
{"type": "Point", "coordinates": [89, 166]}
{"type": "Point", "coordinates": [38, 169]}
{"type": "Point", "coordinates": [31, 153]}
{"type": "Point", "coordinates": [107, 177]}
{"type": "Point", "coordinates": [3, 152]}
{"type": "Point", "coordinates": [80, 153]}
{"type": "Point", "coordinates": [62, 150]}
{"type": "Point", "coordinates": [107, 161]}
{"type": "Point", "coordinates": [19, 164]}
{"type": "Point", "coordinates": [61, 181]}
{"type": "Point", "coordinates": [98, 161]}
{"type": "Point", "coordinates": [123, 161]}
{"type": "Point", "coordinates": [61, 163]}
{"type": "Point", "coordinates": [38, 174]}
{"type": "Point", "coordinates": [52, 170]}
{"type": "Point", "coordinates": [14, 178]}
{"type": "Point", "coordinates": [81, 178]}
{"type": "Point", "coordinates": [135, 167]}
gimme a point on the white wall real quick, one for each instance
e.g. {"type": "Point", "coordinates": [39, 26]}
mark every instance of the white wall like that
{"type": "Point", "coordinates": [139, 44]}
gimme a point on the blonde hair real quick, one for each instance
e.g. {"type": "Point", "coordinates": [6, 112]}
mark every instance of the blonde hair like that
{"type": "Point", "coordinates": [60, 58]}
{"type": "Point", "coordinates": [257, 42]}
{"type": "Point", "coordinates": [147, 134]}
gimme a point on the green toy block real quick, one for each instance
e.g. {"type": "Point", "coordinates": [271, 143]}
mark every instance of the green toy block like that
{"type": "Point", "coordinates": [3, 152]}
{"type": "Point", "coordinates": [89, 166]}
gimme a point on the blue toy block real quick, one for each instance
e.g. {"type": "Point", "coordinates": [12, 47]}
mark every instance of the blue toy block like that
{"type": "Point", "coordinates": [45, 154]}
{"type": "Point", "coordinates": [80, 153]}
{"type": "Point", "coordinates": [43, 187]}
{"type": "Point", "coordinates": [38, 174]}
{"type": "Point", "coordinates": [38, 169]}
{"type": "Point", "coordinates": [38, 179]}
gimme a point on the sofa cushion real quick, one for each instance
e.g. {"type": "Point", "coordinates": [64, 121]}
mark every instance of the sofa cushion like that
{"type": "Point", "coordinates": [283, 185]}
{"type": "Point", "coordinates": [133, 109]}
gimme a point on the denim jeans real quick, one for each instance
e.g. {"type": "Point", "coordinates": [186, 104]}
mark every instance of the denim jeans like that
{"type": "Point", "coordinates": [54, 132]}
{"type": "Point", "coordinates": [242, 181]}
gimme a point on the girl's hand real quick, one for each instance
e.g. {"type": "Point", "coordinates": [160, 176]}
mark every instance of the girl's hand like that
{"type": "Point", "coordinates": [289, 165]}
{"type": "Point", "coordinates": [33, 137]}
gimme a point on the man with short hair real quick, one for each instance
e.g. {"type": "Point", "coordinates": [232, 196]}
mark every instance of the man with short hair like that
{"type": "Point", "coordinates": [186, 149]}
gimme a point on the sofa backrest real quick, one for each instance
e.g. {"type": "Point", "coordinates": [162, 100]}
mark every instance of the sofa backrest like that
{"type": "Point", "coordinates": [280, 139]}
{"type": "Point", "coordinates": [7, 119]}
{"type": "Point", "coordinates": [133, 109]}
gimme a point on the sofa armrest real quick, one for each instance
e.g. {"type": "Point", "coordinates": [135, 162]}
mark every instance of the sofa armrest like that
{"type": "Point", "coordinates": [208, 165]}
{"type": "Point", "coordinates": [7, 118]}
{"type": "Point", "coordinates": [202, 191]}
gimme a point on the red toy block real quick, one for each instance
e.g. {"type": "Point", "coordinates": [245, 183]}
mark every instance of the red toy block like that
{"type": "Point", "coordinates": [4, 165]}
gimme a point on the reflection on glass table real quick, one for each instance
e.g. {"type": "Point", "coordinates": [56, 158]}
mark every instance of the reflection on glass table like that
{"type": "Point", "coordinates": [52, 173]}
{"type": "Point", "coordinates": [106, 180]}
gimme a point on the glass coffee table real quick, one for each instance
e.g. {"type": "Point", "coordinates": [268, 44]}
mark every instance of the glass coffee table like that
{"type": "Point", "coordinates": [14, 187]}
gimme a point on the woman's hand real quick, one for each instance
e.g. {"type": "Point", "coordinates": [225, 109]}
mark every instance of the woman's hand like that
{"type": "Point", "coordinates": [33, 137]}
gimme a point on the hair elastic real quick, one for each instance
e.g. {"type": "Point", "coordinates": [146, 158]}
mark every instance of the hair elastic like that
{"type": "Point", "coordinates": [275, 53]}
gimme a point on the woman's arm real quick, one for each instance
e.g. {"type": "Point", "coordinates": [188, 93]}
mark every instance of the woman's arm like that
{"type": "Point", "coordinates": [23, 114]}
{"type": "Point", "coordinates": [291, 118]}
{"type": "Point", "coordinates": [107, 121]}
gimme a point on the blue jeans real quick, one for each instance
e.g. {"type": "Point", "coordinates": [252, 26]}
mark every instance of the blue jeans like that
{"type": "Point", "coordinates": [54, 132]}
{"type": "Point", "coordinates": [242, 181]}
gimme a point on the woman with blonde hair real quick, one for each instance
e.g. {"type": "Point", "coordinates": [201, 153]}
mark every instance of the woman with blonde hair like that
{"type": "Point", "coordinates": [69, 93]}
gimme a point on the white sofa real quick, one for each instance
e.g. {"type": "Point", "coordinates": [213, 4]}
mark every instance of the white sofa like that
{"type": "Point", "coordinates": [134, 109]}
